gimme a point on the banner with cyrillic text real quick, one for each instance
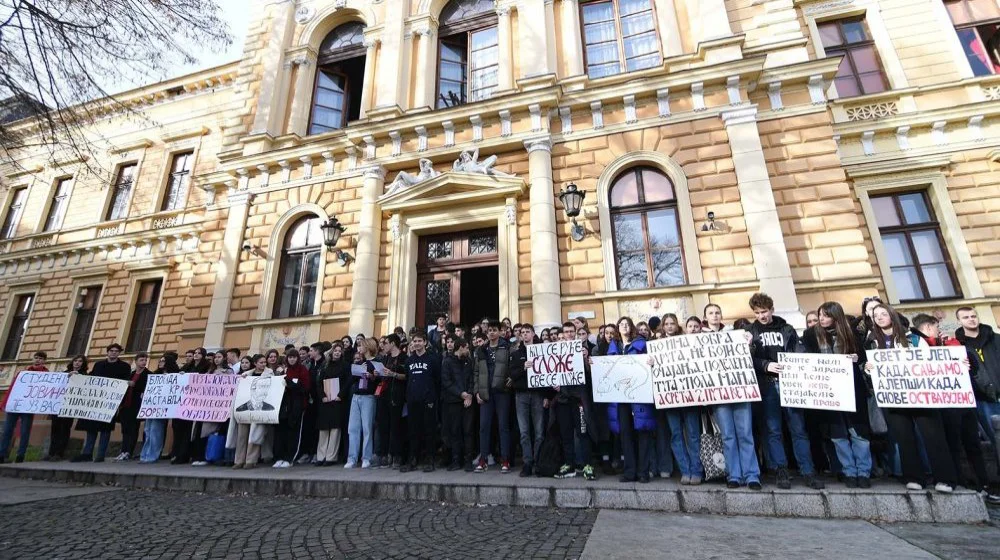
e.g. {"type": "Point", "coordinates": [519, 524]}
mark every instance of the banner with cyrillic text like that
{"type": "Point", "coordinates": [162, 396]}
{"type": "Point", "coordinates": [816, 381]}
{"type": "Point", "coordinates": [621, 379]}
{"type": "Point", "coordinates": [555, 364]}
{"type": "Point", "coordinates": [934, 377]}
{"type": "Point", "coordinates": [202, 397]}
{"type": "Point", "coordinates": [37, 392]}
{"type": "Point", "coordinates": [702, 369]}
{"type": "Point", "coordinates": [93, 398]}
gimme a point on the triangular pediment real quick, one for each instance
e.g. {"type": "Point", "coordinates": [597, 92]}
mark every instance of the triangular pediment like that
{"type": "Point", "coordinates": [452, 188]}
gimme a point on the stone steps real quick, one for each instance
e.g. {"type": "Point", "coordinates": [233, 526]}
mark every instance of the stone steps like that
{"type": "Point", "coordinates": [883, 502]}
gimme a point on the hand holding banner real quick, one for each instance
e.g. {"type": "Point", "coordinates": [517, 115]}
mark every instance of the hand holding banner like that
{"type": "Point", "coordinates": [622, 379]}
{"type": "Point", "coordinates": [555, 364]}
{"type": "Point", "coordinates": [702, 369]}
{"type": "Point", "coordinates": [93, 398]}
{"type": "Point", "coordinates": [817, 381]}
{"type": "Point", "coordinates": [921, 377]}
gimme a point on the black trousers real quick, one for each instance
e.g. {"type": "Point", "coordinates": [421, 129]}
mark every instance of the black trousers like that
{"type": "Point", "coordinates": [459, 423]}
{"type": "Point", "coordinates": [635, 444]}
{"type": "Point", "coordinates": [389, 423]}
{"type": "Point", "coordinates": [568, 417]}
{"type": "Point", "coordinates": [181, 448]}
{"type": "Point", "coordinates": [961, 429]}
{"type": "Point", "coordinates": [130, 432]}
{"type": "Point", "coordinates": [59, 438]}
{"type": "Point", "coordinates": [310, 435]}
{"type": "Point", "coordinates": [422, 424]}
{"type": "Point", "coordinates": [287, 439]}
{"type": "Point", "coordinates": [903, 425]}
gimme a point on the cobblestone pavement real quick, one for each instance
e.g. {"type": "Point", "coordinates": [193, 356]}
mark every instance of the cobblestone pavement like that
{"type": "Point", "coordinates": [144, 524]}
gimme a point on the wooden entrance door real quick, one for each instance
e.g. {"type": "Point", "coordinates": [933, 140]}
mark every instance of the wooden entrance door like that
{"type": "Point", "coordinates": [439, 279]}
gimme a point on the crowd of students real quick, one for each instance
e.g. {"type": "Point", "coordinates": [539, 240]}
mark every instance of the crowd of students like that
{"type": "Point", "coordinates": [451, 397]}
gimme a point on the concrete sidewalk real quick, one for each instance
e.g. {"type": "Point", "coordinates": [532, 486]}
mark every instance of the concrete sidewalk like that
{"type": "Point", "coordinates": [883, 502]}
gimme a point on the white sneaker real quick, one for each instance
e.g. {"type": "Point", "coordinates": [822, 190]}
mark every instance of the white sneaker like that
{"type": "Point", "coordinates": [366, 464]}
{"type": "Point", "coordinates": [120, 457]}
{"type": "Point", "coordinates": [943, 488]}
{"type": "Point", "coordinates": [913, 486]}
{"type": "Point", "coordinates": [199, 463]}
{"type": "Point", "coordinates": [350, 465]}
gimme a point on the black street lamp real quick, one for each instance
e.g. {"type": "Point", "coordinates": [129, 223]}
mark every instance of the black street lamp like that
{"type": "Point", "coordinates": [572, 201]}
{"type": "Point", "coordinates": [332, 230]}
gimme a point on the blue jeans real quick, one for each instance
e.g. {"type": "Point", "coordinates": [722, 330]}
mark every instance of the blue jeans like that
{"type": "Point", "coordinates": [499, 405]}
{"type": "Point", "coordinates": [10, 420]}
{"type": "Point", "coordinates": [795, 418]}
{"type": "Point", "coordinates": [360, 422]}
{"type": "Point", "coordinates": [736, 423]}
{"type": "Point", "coordinates": [984, 410]}
{"type": "Point", "coordinates": [530, 410]}
{"type": "Point", "coordinates": [686, 445]}
{"type": "Point", "coordinates": [854, 454]}
{"type": "Point", "coordinates": [102, 445]}
{"type": "Point", "coordinates": [152, 441]}
{"type": "Point", "coordinates": [663, 461]}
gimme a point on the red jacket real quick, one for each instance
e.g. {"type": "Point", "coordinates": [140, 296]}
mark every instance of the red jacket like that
{"type": "Point", "coordinates": [6, 395]}
{"type": "Point", "coordinates": [304, 386]}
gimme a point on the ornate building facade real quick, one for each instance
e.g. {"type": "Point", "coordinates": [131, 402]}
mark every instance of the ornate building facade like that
{"type": "Point", "coordinates": [814, 150]}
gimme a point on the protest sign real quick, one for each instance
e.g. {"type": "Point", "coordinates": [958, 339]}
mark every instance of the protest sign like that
{"type": "Point", "coordinates": [207, 397]}
{"type": "Point", "coordinates": [555, 364]}
{"type": "Point", "coordinates": [331, 388]}
{"type": "Point", "coordinates": [162, 396]}
{"type": "Point", "coordinates": [37, 392]}
{"type": "Point", "coordinates": [817, 381]}
{"type": "Point", "coordinates": [258, 399]}
{"type": "Point", "coordinates": [921, 377]}
{"type": "Point", "coordinates": [702, 369]}
{"type": "Point", "coordinates": [93, 398]}
{"type": "Point", "coordinates": [622, 379]}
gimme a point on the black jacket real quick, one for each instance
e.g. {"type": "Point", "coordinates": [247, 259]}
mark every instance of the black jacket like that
{"type": "Point", "coordinates": [984, 356]}
{"type": "Point", "coordinates": [518, 373]}
{"type": "Point", "coordinates": [836, 424]}
{"type": "Point", "coordinates": [768, 341]}
{"type": "Point", "coordinates": [456, 378]}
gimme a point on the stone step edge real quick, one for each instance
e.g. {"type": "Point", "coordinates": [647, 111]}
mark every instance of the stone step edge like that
{"type": "Point", "coordinates": [924, 507]}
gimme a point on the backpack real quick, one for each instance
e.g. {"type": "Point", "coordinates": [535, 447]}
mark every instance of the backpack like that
{"type": "Point", "coordinates": [550, 453]}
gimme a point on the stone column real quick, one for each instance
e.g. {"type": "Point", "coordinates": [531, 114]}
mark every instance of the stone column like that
{"type": "Point", "coordinates": [770, 256]}
{"type": "Point", "coordinates": [302, 94]}
{"type": "Point", "coordinates": [274, 82]}
{"type": "Point", "coordinates": [425, 73]}
{"type": "Point", "coordinates": [708, 20]}
{"type": "Point", "coordinates": [505, 71]}
{"type": "Point", "coordinates": [371, 47]}
{"type": "Point", "coordinates": [572, 41]}
{"type": "Point", "coordinates": [545, 305]}
{"type": "Point", "coordinates": [225, 272]}
{"type": "Point", "coordinates": [365, 286]}
{"type": "Point", "coordinates": [533, 43]}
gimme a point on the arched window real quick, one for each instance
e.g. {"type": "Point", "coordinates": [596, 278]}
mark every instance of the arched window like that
{"type": "Point", "coordinates": [468, 56]}
{"type": "Point", "coordinates": [646, 234]}
{"type": "Point", "coordinates": [619, 36]}
{"type": "Point", "coordinates": [339, 78]}
{"type": "Point", "coordinates": [298, 276]}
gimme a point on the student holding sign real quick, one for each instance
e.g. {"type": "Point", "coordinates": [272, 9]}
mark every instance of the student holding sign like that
{"type": "Point", "coordinates": [633, 422]}
{"type": "Point", "coordinates": [904, 422]}
{"type": "Point", "coordinates": [156, 428]}
{"type": "Point", "coordinates": [11, 419]}
{"type": "Point", "coordinates": [129, 411]}
{"type": "Point", "coordinates": [112, 368]}
{"type": "Point", "coordinates": [60, 428]}
{"type": "Point", "coordinates": [849, 431]}
{"type": "Point", "coordinates": [772, 336]}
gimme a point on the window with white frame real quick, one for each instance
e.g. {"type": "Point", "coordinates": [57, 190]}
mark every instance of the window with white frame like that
{"type": "Point", "coordinates": [619, 36]}
{"type": "Point", "coordinates": [177, 183]}
{"type": "Point", "coordinates": [59, 204]}
{"type": "Point", "coordinates": [121, 192]}
{"type": "Point", "coordinates": [19, 196]}
{"type": "Point", "coordinates": [18, 326]}
{"type": "Point", "coordinates": [468, 53]}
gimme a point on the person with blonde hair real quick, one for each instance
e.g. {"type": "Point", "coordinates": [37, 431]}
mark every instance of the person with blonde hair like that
{"type": "Point", "coordinates": [362, 416]}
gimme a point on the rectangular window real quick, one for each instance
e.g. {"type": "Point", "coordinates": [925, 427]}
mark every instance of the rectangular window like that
{"type": "Point", "coordinates": [86, 310]}
{"type": "Point", "coordinates": [144, 316]}
{"type": "Point", "coordinates": [177, 184]}
{"type": "Point", "coordinates": [122, 193]}
{"type": "Point", "coordinates": [918, 261]}
{"type": "Point", "coordinates": [860, 71]}
{"type": "Point", "coordinates": [977, 23]}
{"type": "Point", "coordinates": [13, 218]}
{"type": "Point", "coordinates": [468, 67]}
{"type": "Point", "coordinates": [330, 102]}
{"type": "Point", "coordinates": [60, 202]}
{"type": "Point", "coordinates": [619, 36]}
{"type": "Point", "coordinates": [18, 325]}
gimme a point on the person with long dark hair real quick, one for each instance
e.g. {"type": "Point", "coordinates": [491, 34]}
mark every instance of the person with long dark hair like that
{"type": "Point", "coordinates": [156, 428]}
{"type": "Point", "coordinates": [182, 430]}
{"type": "Point", "coordinates": [128, 412]}
{"type": "Point", "coordinates": [685, 422]}
{"type": "Point", "coordinates": [632, 422]}
{"type": "Point", "coordinates": [888, 332]}
{"type": "Point", "coordinates": [329, 414]}
{"type": "Point", "coordinates": [288, 435]}
{"type": "Point", "coordinates": [849, 431]}
{"type": "Point", "coordinates": [61, 427]}
{"type": "Point", "coordinates": [248, 452]}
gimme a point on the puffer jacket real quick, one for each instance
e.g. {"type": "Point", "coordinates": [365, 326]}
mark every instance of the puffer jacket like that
{"type": "Point", "coordinates": [643, 415]}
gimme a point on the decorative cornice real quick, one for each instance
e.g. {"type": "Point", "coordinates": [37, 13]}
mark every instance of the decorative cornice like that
{"type": "Point", "coordinates": [374, 172]}
{"type": "Point", "coordinates": [739, 115]}
{"type": "Point", "coordinates": [538, 144]}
